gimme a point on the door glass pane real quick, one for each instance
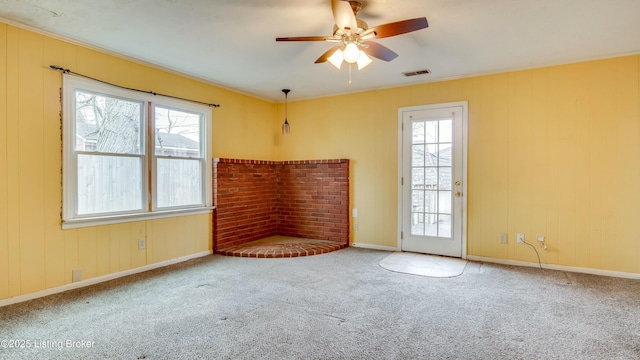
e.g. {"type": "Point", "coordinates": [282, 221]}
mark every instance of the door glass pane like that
{"type": "Point", "coordinates": [431, 173]}
{"type": "Point", "coordinates": [430, 225]}
{"type": "Point", "coordinates": [418, 132]}
{"type": "Point", "coordinates": [431, 177]}
{"type": "Point", "coordinates": [431, 132]}
{"type": "Point", "coordinates": [444, 155]}
{"type": "Point", "coordinates": [431, 158]}
{"type": "Point", "coordinates": [417, 178]}
{"type": "Point", "coordinates": [417, 155]}
{"type": "Point", "coordinates": [417, 201]}
{"type": "Point", "coordinates": [446, 133]}
{"type": "Point", "coordinates": [417, 224]}
{"type": "Point", "coordinates": [430, 201]}
{"type": "Point", "coordinates": [109, 184]}
{"type": "Point", "coordinates": [179, 182]}
{"type": "Point", "coordinates": [444, 226]}
{"type": "Point", "coordinates": [444, 178]}
{"type": "Point", "coordinates": [444, 202]}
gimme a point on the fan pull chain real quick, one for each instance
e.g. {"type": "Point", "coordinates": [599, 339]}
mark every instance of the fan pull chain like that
{"type": "Point", "coordinates": [349, 73]}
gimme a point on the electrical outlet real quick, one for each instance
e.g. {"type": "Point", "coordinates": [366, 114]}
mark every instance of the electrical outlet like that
{"type": "Point", "coordinates": [355, 226]}
{"type": "Point", "coordinates": [76, 275]}
{"type": "Point", "coordinates": [521, 238]}
{"type": "Point", "coordinates": [142, 243]}
{"type": "Point", "coordinates": [541, 241]}
{"type": "Point", "coordinates": [503, 238]}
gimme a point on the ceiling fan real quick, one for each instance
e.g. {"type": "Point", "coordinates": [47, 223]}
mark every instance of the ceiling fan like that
{"type": "Point", "coordinates": [354, 35]}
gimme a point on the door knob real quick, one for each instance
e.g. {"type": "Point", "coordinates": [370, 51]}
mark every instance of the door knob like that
{"type": "Point", "coordinates": [458, 194]}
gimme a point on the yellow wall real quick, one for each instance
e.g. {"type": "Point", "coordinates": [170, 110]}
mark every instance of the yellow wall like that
{"type": "Point", "coordinates": [35, 253]}
{"type": "Point", "coordinates": [552, 151]}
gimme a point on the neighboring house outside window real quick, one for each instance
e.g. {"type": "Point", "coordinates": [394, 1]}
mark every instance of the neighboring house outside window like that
{"type": "Point", "coordinates": [114, 171]}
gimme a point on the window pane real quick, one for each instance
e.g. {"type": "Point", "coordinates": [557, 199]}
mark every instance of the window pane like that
{"type": "Point", "coordinates": [179, 182]}
{"type": "Point", "coordinates": [107, 124]}
{"type": "Point", "coordinates": [109, 184]}
{"type": "Point", "coordinates": [177, 132]}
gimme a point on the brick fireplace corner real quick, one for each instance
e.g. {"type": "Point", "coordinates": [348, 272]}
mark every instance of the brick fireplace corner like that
{"type": "Point", "coordinates": [256, 199]}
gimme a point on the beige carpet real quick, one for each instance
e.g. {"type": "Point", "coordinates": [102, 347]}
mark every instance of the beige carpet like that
{"type": "Point", "coordinates": [340, 305]}
{"type": "Point", "coordinates": [423, 265]}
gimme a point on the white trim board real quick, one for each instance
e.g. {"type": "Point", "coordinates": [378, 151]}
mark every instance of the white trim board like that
{"type": "Point", "coordinates": [375, 247]}
{"type": "Point", "coordinates": [99, 279]}
{"type": "Point", "coordinates": [575, 269]}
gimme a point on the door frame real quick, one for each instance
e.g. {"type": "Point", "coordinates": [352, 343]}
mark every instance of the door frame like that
{"type": "Point", "coordinates": [465, 111]}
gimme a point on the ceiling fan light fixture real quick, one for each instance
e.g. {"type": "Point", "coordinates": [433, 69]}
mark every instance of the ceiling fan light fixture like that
{"type": "Point", "coordinates": [351, 53]}
{"type": "Point", "coordinates": [363, 60]}
{"type": "Point", "coordinates": [336, 58]}
{"type": "Point", "coordinates": [353, 34]}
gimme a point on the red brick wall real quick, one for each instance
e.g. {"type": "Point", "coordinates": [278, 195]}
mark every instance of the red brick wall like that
{"type": "Point", "coordinates": [245, 198]}
{"type": "Point", "coordinates": [256, 199]}
{"type": "Point", "coordinates": [313, 199]}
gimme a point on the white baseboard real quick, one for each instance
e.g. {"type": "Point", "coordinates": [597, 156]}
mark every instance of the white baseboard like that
{"type": "Point", "coordinates": [374, 247]}
{"type": "Point", "coordinates": [99, 279]}
{"type": "Point", "coordinates": [575, 269]}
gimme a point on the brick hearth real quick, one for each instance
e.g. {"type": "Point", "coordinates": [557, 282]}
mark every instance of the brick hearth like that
{"type": "Point", "coordinates": [281, 246]}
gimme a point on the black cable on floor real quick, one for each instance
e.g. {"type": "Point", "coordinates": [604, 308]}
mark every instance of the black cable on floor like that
{"type": "Point", "coordinates": [536, 250]}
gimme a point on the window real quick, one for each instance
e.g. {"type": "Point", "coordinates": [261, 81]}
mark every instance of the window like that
{"type": "Point", "coordinates": [130, 156]}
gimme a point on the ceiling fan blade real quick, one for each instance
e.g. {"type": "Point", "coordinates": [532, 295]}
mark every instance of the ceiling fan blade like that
{"type": "Point", "coordinates": [398, 27]}
{"type": "Point", "coordinates": [327, 54]}
{"type": "Point", "coordinates": [305, 38]}
{"type": "Point", "coordinates": [343, 15]}
{"type": "Point", "coordinates": [379, 51]}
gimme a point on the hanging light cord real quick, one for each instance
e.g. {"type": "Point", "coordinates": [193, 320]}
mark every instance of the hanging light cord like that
{"type": "Point", "coordinates": [286, 105]}
{"type": "Point", "coordinates": [67, 71]}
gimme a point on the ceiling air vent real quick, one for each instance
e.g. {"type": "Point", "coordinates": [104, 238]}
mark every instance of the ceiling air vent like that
{"type": "Point", "coordinates": [418, 72]}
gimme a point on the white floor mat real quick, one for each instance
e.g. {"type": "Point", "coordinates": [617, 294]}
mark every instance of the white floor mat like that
{"type": "Point", "coordinates": [423, 265]}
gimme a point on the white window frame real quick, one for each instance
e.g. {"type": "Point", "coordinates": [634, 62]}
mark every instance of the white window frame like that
{"type": "Point", "coordinates": [180, 106]}
{"type": "Point", "coordinates": [150, 210]}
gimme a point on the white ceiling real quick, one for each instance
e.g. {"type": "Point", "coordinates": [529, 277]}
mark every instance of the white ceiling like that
{"type": "Point", "coordinates": [232, 42]}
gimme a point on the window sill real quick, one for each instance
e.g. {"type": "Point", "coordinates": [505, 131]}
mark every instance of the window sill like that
{"type": "Point", "coordinates": [106, 220]}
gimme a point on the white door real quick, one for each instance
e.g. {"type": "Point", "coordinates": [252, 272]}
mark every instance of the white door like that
{"type": "Point", "coordinates": [433, 179]}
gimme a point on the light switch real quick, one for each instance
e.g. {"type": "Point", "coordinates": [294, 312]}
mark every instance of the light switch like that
{"type": "Point", "coordinates": [503, 238]}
